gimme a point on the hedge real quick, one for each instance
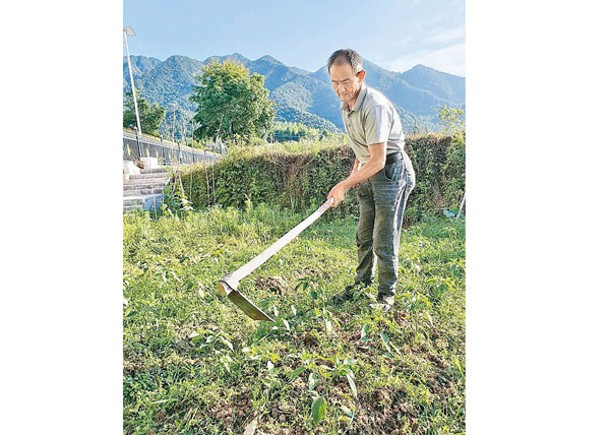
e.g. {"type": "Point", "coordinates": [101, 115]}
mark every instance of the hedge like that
{"type": "Point", "coordinates": [300, 180]}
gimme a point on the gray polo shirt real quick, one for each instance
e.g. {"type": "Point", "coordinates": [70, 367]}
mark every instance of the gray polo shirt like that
{"type": "Point", "coordinates": [372, 120]}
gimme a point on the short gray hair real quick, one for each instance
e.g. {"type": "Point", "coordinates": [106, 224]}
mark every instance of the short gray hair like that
{"type": "Point", "coordinates": [346, 56]}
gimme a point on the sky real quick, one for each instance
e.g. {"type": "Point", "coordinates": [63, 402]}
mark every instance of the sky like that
{"type": "Point", "coordinates": [394, 34]}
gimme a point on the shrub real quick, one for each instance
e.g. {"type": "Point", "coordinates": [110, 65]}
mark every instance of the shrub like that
{"type": "Point", "coordinates": [300, 177]}
{"type": "Point", "coordinates": [439, 164]}
{"type": "Point", "coordinates": [297, 179]}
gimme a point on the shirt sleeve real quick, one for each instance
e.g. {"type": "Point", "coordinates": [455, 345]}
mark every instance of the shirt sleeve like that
{"type": "Point", "coordinates": [376, 125]}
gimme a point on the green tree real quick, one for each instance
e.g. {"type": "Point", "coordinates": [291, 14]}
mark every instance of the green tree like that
{"type": "Point", "coordinates": [290, 131]}
{"type": "Point", "coordinates": [452, 120]}
{"type": "Point", "coordinates": [151, 115]}
{"type": "Point", "coordinates": [453, 125]}
{"type": "Point", "coordinates": [232, 105]}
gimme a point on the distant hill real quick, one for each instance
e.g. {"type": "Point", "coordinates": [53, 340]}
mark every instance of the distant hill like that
{"type": "Point", "coordinates": [446, 86]}
{"type": "Point", "coordinates": [299, 95]}
{"type": "Point", "coordinates": [140, 65]}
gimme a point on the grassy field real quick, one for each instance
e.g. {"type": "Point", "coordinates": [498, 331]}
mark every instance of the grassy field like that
{"type": "Point", "coordinates": [195, 364]}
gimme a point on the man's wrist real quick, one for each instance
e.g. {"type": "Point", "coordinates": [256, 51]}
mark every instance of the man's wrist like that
{"type": "Point", "coordinates": [346, 184]}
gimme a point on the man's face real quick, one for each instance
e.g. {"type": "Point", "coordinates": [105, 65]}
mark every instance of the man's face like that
{"type": "Point", "coordinates": [346, 84]}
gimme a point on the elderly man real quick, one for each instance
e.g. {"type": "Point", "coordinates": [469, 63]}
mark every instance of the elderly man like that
{"type": "Point", "coordinates": [383, 171]}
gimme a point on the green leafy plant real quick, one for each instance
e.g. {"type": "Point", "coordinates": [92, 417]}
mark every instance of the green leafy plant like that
{"type": "Point", "coordinates": [318, 409]}
{"type": "Point", "coordinates": [300, 175]}
{"type": "Point", "coordinates": [151, 115]}
{"type": "Point", "coordinates": [175, 201]}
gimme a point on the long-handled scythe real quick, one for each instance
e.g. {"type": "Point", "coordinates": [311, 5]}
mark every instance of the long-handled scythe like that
{"type": "Point", "coordinates": [227, 286]}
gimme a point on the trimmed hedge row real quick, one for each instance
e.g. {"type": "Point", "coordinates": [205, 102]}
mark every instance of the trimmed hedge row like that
{"type": "Point", "coordinates": [439, 164]}
{"type": "Point", "coordinates": [301, 180]}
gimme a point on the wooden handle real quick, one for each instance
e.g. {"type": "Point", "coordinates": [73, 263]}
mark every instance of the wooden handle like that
{"type": "Point", "coordinates": [232, 279]}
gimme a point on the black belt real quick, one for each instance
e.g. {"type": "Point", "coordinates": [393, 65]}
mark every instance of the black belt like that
{"type": "Point", "coordinates": [395, 157]}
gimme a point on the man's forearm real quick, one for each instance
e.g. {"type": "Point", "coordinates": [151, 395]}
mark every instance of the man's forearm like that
{"type": "Point", "coordinates": [366, 171]}
{"type": "Point", "coordinates": [371, 167]}
{"type": "Point", "coordinates": [355, 167]}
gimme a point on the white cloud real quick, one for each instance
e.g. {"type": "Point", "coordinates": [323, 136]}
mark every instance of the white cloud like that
{"type": "Point", "coordinates": [446, 37]}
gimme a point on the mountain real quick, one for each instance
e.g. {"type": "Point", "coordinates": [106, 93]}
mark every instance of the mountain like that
{"type": "Point", "coordinates": [300, 95]}
{"type": "Point", "coordinates": [140, 65]}
{"type": "Point", "coordinates": [446, 86]}
{"type": "Point", "coordinates": [169, 82]}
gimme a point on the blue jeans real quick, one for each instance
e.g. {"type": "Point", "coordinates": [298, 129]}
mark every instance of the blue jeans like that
{"type": "Point", "coordinates": [382, 200]}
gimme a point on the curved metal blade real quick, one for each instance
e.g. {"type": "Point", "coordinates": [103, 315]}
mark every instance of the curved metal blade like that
{"type": "Point", "coordinates": [248, 307]}
{"type": "Point", "coordinates": [227, 286]}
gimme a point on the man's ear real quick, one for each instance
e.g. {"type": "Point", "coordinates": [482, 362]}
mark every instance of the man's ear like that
{"type": "Point", "coordinates": [361, 75]}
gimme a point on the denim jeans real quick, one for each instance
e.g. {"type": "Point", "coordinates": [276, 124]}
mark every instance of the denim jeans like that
{"type": "Point", "coordinates": [382, 200]}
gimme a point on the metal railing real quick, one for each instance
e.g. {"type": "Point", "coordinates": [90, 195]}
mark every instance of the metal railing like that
{"type": "Point", "coordinates": [168, 153]}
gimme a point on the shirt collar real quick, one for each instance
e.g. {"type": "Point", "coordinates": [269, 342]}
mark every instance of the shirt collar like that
{"type": "Point", "coordinates": [358, 103]}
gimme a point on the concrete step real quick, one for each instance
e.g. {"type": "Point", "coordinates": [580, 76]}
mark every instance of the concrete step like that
{"type": "Point", "coordinates": [149, 176]}
{"type": "Point", "coordinates": [153, 180]}
{"type": "Point", "coordinates": [141, 190]}
{"type": "Point", "coordinates": [159, 170]}
{"type": "Point", "coordinates": [144, 184]}
{"type": "Point", "coordinates": [144, 191]}
{"type": "Point", "coordinates": [133, 201]}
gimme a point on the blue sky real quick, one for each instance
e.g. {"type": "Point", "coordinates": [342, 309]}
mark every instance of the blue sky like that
{"type": "Point", "coordinates": [395, 34]}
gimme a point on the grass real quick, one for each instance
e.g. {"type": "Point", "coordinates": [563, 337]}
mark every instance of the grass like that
{"type": "Point", "coordinates": [195, 364]}
{"type": "Point", "coordinates": [303, 146]}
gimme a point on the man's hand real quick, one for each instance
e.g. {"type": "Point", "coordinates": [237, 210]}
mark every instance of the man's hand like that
{"type": "Point", "coordinates": [338, 192]}
{"type": "Point", "coordinates": [378, 154]}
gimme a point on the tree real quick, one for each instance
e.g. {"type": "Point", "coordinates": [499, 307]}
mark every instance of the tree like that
{"type": "Point", "coordinates": [150, 115]}
{"type": "Point", "coordinates": [452, 119]}
{"type": "Point", "coordinates": [290, 131]}
{"type": "Point", "coordinates": [232, 105]}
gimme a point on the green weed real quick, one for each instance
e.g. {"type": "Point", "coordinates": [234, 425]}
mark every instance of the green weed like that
{"type": "Point", "coordinates": [194, 363]}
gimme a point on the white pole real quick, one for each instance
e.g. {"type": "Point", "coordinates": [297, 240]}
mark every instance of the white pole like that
{"type": "Point", "coordinates": [461, 206]}
{"type": "Point", "coordinates": [137, 114]}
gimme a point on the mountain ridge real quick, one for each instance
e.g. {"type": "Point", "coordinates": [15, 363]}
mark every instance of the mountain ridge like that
{"type": "Point", "coordinates": [300, 95]}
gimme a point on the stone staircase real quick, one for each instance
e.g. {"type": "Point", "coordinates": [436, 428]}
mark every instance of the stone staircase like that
{"type": "Point", "coordinates": [145, 190]}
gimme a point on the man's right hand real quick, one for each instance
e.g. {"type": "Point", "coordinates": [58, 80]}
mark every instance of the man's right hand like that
{"type": "Point", "coordinates": [338, 193]}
